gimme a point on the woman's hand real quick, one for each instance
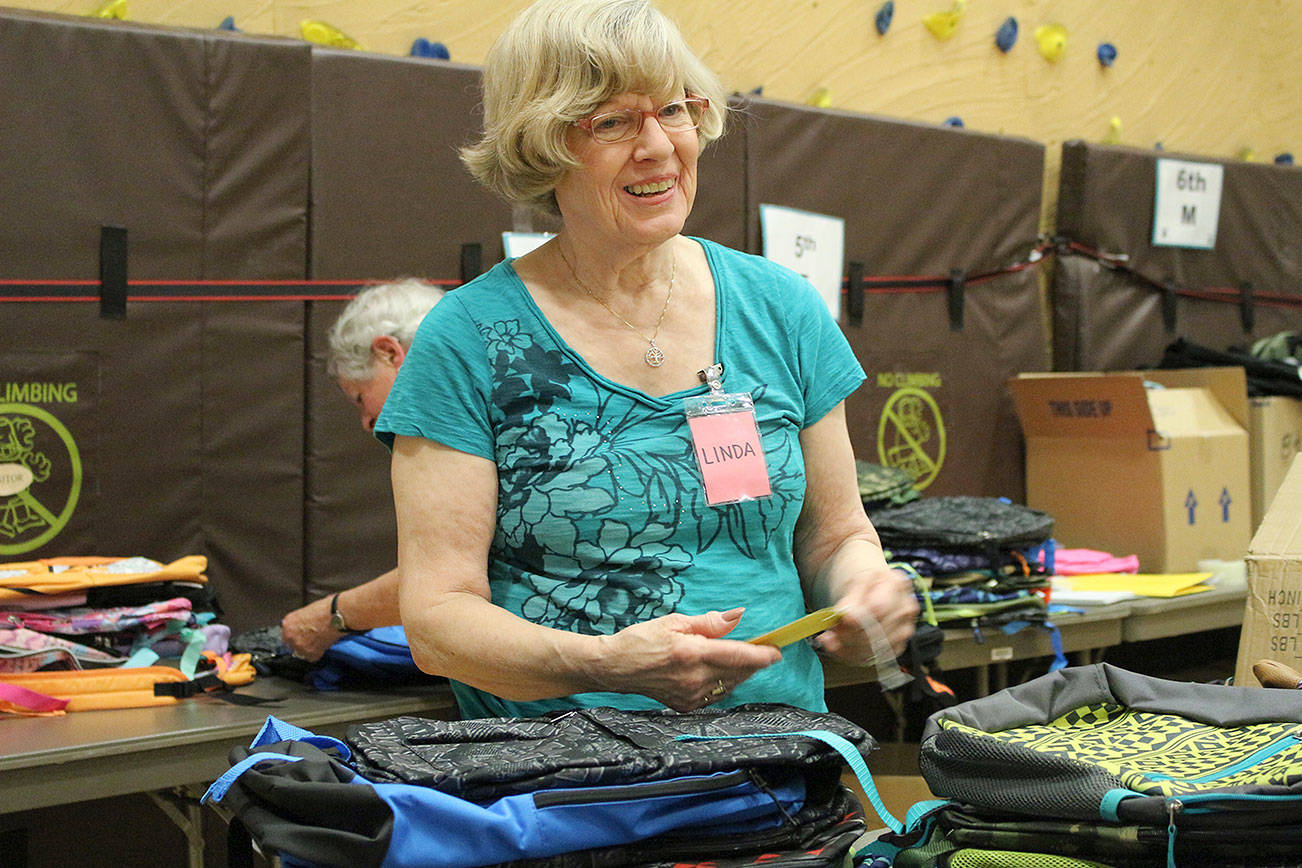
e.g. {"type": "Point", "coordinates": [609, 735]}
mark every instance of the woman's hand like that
{"type": "Point", "coordinates": [874, 600]}
{"type": "Point", "coordinates": [680, 660]}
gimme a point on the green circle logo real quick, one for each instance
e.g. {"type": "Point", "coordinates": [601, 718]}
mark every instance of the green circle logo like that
{"type": "Point", "coordinates": [26, 522]}
{"type": "Point", "coordinates": [911, 435]}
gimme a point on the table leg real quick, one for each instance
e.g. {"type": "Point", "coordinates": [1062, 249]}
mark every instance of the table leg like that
{"type": "Point", "coordinates": [186, 813]}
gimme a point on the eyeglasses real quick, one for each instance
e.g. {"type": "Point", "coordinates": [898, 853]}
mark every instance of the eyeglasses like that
{"type": "Point", "coordinates": [621, 125]}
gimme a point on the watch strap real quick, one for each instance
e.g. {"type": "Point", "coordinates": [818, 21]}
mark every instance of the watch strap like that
{"type": "Point", "coordinates": [337, 617]}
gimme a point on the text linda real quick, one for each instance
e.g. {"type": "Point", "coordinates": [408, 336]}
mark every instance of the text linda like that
{"type": "Point", "coordinates": [725, 452]}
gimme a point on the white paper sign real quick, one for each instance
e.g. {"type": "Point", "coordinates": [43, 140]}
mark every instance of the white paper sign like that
{"type": "Point", "coordinates": [810, 244]}
{"type": "Point", "coordinates": [519, 243]}
{"type": "Point", "coordinates": [1187, 204]}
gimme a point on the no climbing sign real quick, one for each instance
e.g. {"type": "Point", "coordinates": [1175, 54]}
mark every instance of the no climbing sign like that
{"type": "Point", "coordinates": [911, 435]}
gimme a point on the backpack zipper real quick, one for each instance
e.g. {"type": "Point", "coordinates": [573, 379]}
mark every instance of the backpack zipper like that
{"type": "Point", "coordinates": [1270, 750]}
{"type": "Point", "coordinates": [652, 789]}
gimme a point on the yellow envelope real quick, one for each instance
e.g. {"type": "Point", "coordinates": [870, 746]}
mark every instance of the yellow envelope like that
{"type": "Point", "coordinates": [1144, 584]}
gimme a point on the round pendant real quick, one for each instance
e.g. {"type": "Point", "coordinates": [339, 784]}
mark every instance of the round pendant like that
{"type": "Point", "coordinates": [653, 356]}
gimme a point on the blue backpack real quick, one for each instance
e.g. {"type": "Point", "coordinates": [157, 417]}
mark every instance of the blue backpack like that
{"type": "Point", "coordinates": [748, 785]}
{"type": "Point", "coordinates": [378, 656]}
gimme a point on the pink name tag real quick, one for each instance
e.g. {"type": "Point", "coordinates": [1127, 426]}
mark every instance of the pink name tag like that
{"type": "Point", "coordinates": [730, 456]}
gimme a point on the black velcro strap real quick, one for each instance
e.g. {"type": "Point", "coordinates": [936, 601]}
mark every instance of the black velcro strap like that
{"type": "Point", "coordinates": [854, 297]}
{"type": "Point", "coordinates": [472, 261]}
{"type": "Point", "coordinates": [955, 300]}
{"type": "Point", "coordinates": [185, 689]}
{"type": "Point", "coordinates": [112, 272]}
{"type": "Point", "coordinates": [1169, 299]}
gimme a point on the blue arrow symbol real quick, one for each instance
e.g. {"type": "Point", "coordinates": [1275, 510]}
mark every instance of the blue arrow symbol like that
{"type": "Point", "coordinates": [1225, 504]}
{"type": "Point", "coordinates": [1190, 503]}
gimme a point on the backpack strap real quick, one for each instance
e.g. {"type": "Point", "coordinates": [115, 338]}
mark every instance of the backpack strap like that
{"type": "Point", "coordinates": [842, 746]}
{"type": "Point", "coordinates": [20, 700]}
{"type": "Point", "coordinates": [223, 784]}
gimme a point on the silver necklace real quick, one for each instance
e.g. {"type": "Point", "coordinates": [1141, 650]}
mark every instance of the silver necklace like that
{"type": "Point", "coordinates": [654, 356]}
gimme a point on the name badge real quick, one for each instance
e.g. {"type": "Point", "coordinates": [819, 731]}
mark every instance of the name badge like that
{"type": "Point", "coordinates": [726, 441]}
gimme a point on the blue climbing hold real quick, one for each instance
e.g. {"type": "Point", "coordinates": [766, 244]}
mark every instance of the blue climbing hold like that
{"type": "Point", "coordinates": [1006, 38]}
{"type": "Point", "coordinates": [228, 23]}
{"type": "Point", "coordinates": [422, 47]}
{"type": "Point", "coordinates": [954, 121]}
{"type": "Point", "coordinates": [884, 16]}
{"type": "Point", "coordinates": [1284, 159]}
{"type": "Point", "coordinates": [1107, 54]}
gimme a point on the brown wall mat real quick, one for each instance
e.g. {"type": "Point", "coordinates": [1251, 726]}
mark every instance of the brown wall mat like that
{"type": "Point", "coordinates": [257, 159]}
{"type": "Point", "coordinates": [389, 195]}
{"type": "Point", "coordinates": [187, 415]}
{"type": "Point", "coordinates": [119, 399]}
{"type": "Point", "coordinates": [119, 140]}
{"type": "Point", "coordinates": [921, 200]}
{"type": "Point", "coordinates": [1108, 320]}
{"type": "Point", "coordinates": [251, 457]}
{"type": "Point", "coordinates": [348, 507]}
{"type": "Point", "coordinates": [187, 429]}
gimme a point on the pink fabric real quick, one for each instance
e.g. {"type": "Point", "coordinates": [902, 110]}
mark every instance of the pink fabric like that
{"type": "Point", "coordinates": [81, 620]}
{"type": "Point", "coordinates": [23, 699]}
{"type": "Point", "coordinates": [23, 650]}
{"type": "Point", "coordinates": [1077, 562]}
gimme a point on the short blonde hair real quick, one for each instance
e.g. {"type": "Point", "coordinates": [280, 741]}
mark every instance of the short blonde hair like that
{"type": "Point", "coordinates": [393, 309]}
{"type": "Point", "coordinates": [555, 64]}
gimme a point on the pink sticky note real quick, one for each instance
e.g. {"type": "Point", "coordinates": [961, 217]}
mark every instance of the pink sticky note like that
{"type": "Point", "coordinates": [730, 456]}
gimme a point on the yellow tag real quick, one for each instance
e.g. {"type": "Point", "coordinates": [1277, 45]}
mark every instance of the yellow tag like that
{"type": "Point", "coordinates": [801, 628]}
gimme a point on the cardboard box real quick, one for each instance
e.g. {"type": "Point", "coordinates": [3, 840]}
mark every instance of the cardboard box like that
{"type": "Point", "coordinates": [1272, 617]}
{"type": "Point", "coordinates": [1275, 436]}
{"type": "Point", "coordinates": [1161, 473]}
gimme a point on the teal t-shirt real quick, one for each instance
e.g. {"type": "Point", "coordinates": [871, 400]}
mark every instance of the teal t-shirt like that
{"type": "Point", "coordinates": [602, 520]}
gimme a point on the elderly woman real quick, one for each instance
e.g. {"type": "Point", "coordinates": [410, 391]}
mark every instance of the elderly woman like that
{"type": "Point", "coordinates": [367, 346]}
{"type": "Point", "coordinates": [560, 541]}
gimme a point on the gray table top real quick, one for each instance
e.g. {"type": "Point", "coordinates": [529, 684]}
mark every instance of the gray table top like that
{"type": "Point", "coordinates": [95, 754]}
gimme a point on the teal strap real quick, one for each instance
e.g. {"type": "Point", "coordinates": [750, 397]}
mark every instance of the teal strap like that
{"type": "Point", "coordinates": [847, 751]}
{"type": "Point", "coordinates": [194, 641]}
{"type": "Point", "coordinates": [1111, 799]}
{"type": "Point", "coordinates": [1170, 842]}
{"type": "Point", "coordinates": [921, 809]}
{"type": "Point", "coordinates": [141, 657]}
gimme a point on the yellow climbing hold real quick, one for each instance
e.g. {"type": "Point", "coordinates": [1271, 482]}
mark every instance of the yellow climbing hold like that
{"type": "Point", "coordinates": [1248, 155]}
{"type": "Point", "coordinates": [1052, 39]}
{"type": "Point", "coordinates": [111, 9]}
{"type": "Point", "coordinates": [326, 34]}
{"type": "Point", "coordinates": [822, 98]}
{"type": "Point", "coordinates": [943, 25]}
{"type": "Point", "coordinates": [1114, 131]}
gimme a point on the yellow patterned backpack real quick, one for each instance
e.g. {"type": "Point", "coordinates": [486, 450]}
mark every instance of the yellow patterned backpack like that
{"type": "Point", "coordinates": [1097, 765]}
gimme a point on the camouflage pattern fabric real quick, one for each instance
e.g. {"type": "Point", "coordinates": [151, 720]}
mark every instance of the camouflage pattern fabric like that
{"type": "Point", "coordinates": [881, 486]}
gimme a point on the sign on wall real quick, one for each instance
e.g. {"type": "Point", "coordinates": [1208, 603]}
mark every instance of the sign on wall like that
{"type": "Point", "coordinates": [47, 416]}
{"type": "Point", "coordinates": [1187, 204]}
{"type": "Point", "coordinates": [813, 245]}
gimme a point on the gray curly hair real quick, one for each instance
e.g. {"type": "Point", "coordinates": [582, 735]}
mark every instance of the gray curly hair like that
{"type": "Point", "coordinates": [393, 309]}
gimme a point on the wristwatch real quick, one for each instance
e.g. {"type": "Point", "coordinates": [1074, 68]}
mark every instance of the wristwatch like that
{"type": "Point", "coordinates": [337, 621]}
